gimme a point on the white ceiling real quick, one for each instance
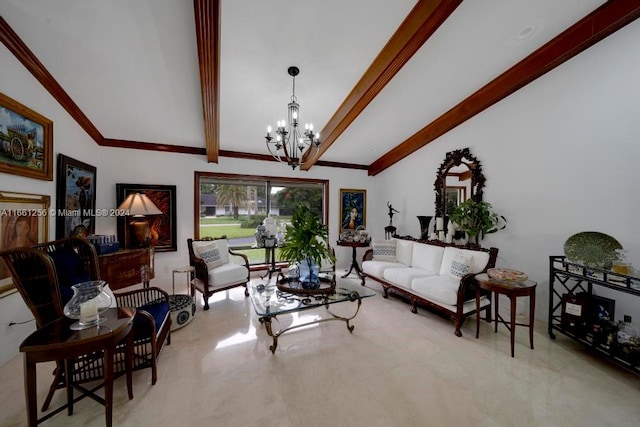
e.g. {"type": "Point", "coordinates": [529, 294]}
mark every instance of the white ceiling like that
{"type": "Point", "coordinates": [132, 65]}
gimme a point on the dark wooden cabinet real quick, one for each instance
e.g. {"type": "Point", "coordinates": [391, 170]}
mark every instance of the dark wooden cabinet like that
{"type": "Point", "coordinates": [127, 267]}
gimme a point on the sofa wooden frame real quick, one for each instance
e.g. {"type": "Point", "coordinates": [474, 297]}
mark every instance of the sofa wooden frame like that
{"type": "Point", "coordinates": [466, 290]}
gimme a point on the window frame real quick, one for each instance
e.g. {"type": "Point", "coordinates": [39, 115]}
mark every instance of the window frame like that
{"type": "Point", "coordinates": [258, 179]}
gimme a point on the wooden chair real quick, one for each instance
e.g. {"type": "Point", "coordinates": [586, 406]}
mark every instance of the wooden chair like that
{"type": "Point", "coordinates": [152, 323]}
{"type": "Point", "coordinates": [44, 273]}
{"type": "Point", "coordinates": [34, 275]}
{"type": "Point", "coordinates": [229, 271]}
{"type": "Point", "coordinates": [151, 326]}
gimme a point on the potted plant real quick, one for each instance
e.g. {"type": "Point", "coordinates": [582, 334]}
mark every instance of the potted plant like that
{"type": "Point", "coordinates": [306, 241]}
{"type": "Point", "coordinates": [477, 219]}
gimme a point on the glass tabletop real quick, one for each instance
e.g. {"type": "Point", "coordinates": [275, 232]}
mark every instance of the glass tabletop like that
{"type": "Point", "coordinates": [268, 300]}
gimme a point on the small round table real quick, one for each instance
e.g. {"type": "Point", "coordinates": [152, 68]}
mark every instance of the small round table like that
{"type": "Point", "coordinates": [57, 341]}
{"type": "Point", "coordinates": [183, 307]}
{"type": "Point", "coordinates": [512, 290]}
{"type": "Point", "coordinates": [186, 269]}
{"type": "Point", "coordinates": [354, 261]}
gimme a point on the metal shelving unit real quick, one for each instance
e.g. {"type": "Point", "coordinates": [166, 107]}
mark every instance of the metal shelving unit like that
{"type": "Point", "coordinates": [566, 277]}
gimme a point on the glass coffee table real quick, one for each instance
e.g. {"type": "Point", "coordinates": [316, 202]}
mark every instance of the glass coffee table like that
{"type": "Point", "coordinates": [270, 302]}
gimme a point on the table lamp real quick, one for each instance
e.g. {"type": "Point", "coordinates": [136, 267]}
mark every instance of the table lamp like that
{"type": "Point", "coordinates": [138, 206]}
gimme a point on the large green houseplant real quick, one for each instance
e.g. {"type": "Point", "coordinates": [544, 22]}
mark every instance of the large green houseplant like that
{"type": "Point", "coordinates": [477, 219]}
{"type": "Point", "coordinates": [306, 241]}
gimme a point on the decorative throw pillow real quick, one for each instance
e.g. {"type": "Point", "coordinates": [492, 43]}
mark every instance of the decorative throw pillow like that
{"type": "Point", "coordinates": [460, 265]}
{"type": "Point", "coordinates": [210, 254]}
{"type": "Point", "coordinates": [384, 250]}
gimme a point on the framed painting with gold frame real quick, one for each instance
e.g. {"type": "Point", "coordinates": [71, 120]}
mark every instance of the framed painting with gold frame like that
{"type": "Point", "coordinates": [26, 141]}
{"type": "Point", "coordinates": [24, 221]}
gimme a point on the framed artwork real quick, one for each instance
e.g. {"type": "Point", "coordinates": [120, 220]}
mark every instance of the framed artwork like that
{"type": "Point", "coordinates": [75, 198]}
{"type": "Point", "coordinates": [353, 209]}
{"type": "Point", "coordinates": [26, 141]}
{"type": "Point", "coordinates": [24, 221]}
{"type": "Point", "coordinates": [162, 228]}
{"type": "Point", "coordinates": [574, 313]}
{"type": "Point", "coordinates": [599, 310]}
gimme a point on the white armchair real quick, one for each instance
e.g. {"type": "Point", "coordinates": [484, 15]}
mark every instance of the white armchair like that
{"type": "Point", "coordinates": [217, 268]}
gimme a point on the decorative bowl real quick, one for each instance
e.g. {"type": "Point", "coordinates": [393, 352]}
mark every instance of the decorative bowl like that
{"type": "Point", "coordinates": [507, 275]}
{"type": "Point", "coordinates": [592, 249]}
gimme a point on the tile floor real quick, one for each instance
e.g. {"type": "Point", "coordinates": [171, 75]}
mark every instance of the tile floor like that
{"type": "Point", "coordinates": [396, 369]}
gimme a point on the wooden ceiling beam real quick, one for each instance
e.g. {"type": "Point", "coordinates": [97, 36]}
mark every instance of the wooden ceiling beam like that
{"type": "Point", "coordinates": [23, 54]}
{"type": "Point", "coordinates": [421, 22]}
{"type": "Point", "coordinates": [269, 158]}
{"type": "Point", "coordinates": [152, 146]}
{"type": "Point", "coordinates": [207, 23]}
{"type": "Point", "coordinates": [602, 22]}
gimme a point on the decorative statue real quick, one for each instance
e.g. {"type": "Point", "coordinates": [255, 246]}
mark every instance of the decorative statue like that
{"type": "Point", "coordinates": [390, 230]}
{"type": "Point", "coordinates": [391, 212]}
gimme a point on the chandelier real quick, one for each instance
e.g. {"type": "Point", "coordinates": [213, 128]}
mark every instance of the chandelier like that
{"type": "Point", "coordinates": [288, 146]}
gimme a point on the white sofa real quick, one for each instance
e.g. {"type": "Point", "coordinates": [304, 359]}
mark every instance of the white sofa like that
{"type": "Point", "coordinates": [432, 274]}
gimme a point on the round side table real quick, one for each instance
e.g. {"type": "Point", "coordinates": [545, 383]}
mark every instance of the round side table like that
{"type": "Point", "coordinates": [512, 290]}
{"type": "Point", "coordinates": [183, 307]}
{"type": "Point", "coordinates": [186, 269]}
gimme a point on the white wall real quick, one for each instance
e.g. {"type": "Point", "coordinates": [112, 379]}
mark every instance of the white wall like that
{"type": "Point", "coordinates": [560, 156]}
{"type": "Point", "coordinates": [116, 165]}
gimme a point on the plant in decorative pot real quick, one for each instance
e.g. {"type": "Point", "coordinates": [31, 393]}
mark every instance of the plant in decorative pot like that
{"type": "Point", "coordinates": [306, 241]}
{"type": "Point", "coordinates": [477, 219]}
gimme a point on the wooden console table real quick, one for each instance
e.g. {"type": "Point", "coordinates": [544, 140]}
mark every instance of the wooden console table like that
{"type": "Point", "coordinates": [127, 267]}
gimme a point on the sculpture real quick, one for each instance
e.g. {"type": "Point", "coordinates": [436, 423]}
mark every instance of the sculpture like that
{"type": "Point", "coordinates": [390, 230]}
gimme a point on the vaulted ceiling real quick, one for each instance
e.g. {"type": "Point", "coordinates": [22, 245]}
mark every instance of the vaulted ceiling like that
{"type": "Point", "coordinates": [379, 78]}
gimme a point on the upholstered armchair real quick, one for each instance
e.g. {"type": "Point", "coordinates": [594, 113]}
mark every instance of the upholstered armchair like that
{"type": "Point", "coordinates": [217, 268]}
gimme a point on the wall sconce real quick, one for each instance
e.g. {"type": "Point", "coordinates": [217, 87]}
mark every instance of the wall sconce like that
{"type": "Point", "coordinates": [138, 206]}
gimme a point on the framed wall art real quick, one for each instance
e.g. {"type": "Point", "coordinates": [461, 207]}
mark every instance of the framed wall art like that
{"type": "Point", "coordinates": [26, 141]}
{"type": "Point", "coordinates": [24, 221]}
{"type": "Point", "coordinates": [75, 198]}
{"type": "Point", "coordinates": [163, 229]}
{"type": "Point", "coordinates": [353, 209]}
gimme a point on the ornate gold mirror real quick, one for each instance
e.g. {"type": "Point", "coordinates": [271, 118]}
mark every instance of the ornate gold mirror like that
{"type": "Point", "coordinates": [459, 178]}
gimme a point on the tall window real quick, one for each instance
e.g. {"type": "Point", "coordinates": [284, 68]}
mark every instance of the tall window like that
{"type": "Point", "coordinates": [235, 205]}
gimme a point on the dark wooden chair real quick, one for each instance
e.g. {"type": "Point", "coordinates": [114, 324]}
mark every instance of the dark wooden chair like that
{"type": "Point", "coordinates": [44, 274]}
{"type": "Point", "coordinates": [151, 326]}
{"type": "Point", "coordinates": [34, 275]}
{"type": "Point", "coordinates": [233, 272]}
{"type": "Point", "coordinates": [152, 323]}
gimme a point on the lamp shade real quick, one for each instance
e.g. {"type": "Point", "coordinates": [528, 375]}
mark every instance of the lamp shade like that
{"type": "Point", "coordinates": [139, 204]}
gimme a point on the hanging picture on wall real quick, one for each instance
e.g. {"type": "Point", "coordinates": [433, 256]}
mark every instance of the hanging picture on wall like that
{"type": "Point", "coordinates": [24, 221]}
{"type": "Point", "coordinates": [162, 228]}
{"type": "Point", "coordinates": [26, 141]}
{"type": "Point", "coordinates": [75, 198]}
{"type": "Point", "coordinates": [353, 209]}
